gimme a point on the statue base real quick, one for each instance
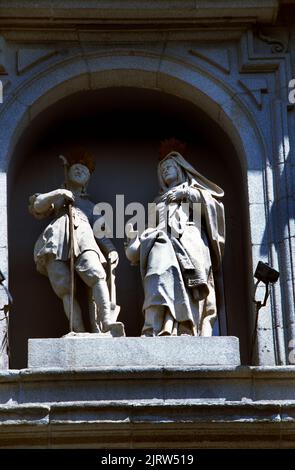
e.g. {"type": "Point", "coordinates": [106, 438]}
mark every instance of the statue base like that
{"type": "Point", "coordinates": [97, 350]}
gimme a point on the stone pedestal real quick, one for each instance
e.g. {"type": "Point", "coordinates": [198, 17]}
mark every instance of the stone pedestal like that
{"type": "Point", "coordinates": [101, 351]}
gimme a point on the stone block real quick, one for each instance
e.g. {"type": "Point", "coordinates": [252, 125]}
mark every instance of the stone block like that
{"type": "Point", "coordinates": [258, 223]}
{"type": "Point", "coordinates": [255, 187]}
{"type": "Point", "coordinates": [99, 351]}
{"type": "Point", "coordinates": [122, 70]}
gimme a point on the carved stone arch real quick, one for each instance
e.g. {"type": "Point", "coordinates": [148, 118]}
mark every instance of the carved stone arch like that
{"type": "Point", "coordinates": [168, 74]}
{"type": "Point", "coordinates": [152, 72]}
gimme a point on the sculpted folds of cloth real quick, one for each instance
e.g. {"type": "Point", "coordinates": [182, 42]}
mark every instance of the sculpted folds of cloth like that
{"type": "Point", "coordinates": [178, 265]}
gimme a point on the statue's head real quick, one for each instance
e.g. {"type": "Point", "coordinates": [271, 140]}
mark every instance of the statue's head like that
{"type": "Point", "coordinates": [81, 165]}
{"type": "Point", "coordinates": [169, 170]}
{"type": "Point", "coordinates": [79, 174]}
{"type": "Point", "coordinates": [174, 169]}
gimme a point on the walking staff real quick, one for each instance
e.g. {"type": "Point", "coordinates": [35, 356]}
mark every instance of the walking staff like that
{"type": "Point", "coordinates": [72, 254]}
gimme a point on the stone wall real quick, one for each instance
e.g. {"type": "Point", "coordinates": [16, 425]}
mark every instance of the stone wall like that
{"type": "Point", "coordinates": [236, 71]}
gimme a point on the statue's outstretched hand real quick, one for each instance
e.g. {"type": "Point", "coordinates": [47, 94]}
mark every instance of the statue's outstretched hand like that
{"type": "Point", "coordinates": [43, 204]}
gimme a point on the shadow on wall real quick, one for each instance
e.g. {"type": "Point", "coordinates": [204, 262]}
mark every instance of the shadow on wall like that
{"type": "Point", "coordinates": [278, 229]}
{"type": "Point", "coordinates": [123, 129]}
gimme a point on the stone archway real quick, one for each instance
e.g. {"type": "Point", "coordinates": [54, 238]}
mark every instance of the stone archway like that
{"type": "Point", "coordinates": [142, 72]}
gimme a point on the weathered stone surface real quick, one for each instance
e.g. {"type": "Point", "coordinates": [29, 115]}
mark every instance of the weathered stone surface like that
{"type": "Point", "coordinates": [164, 407]}
{"type": "Point", "coordinates": [78, 67]}
{"type": "Point", "coordinates": [143, 57]}
{"type": "Point", "coordinates": [97, 351]}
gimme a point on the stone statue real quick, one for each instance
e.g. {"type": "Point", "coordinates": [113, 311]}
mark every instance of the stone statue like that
{"type": "Point", "coordinates": [69, 241]}
{"type": "Point", "coordinates": [178, 264]}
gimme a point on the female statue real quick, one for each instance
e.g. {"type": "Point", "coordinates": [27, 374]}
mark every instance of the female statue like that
{"type": "Point", "coordinates": [178, 262]}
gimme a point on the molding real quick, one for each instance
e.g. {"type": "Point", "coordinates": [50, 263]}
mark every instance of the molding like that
{"type": "Point", "coordinates": [29, 57]}
{"type": "Point", "coordinates": [41, 385]}
{"type": "Point", "coordinates": [107, 407]}
{"type": "Point", "coordinates": [134, 36]}
{"type": "Point", "coordinates": [165, 424]}
{"type": "Point", "coordinates": [108, 12]}
{"type": "Point", "coordinates": [218, 57]}
{"type": "Point", "coordinates": [255, 87]}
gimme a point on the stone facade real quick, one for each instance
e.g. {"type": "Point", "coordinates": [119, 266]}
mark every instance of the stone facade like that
{"type": "Point", "coordinates": [235, 63]}
{"type": "Point", "coordinates": [156, 407]}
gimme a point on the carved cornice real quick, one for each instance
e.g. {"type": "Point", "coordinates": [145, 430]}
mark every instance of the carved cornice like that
{"type": "Point", "coordinates": [150, 13]}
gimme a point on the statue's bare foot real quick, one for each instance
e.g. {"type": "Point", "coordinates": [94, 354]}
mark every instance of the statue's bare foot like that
{"type": "Point", "coordinates": [116, 328]}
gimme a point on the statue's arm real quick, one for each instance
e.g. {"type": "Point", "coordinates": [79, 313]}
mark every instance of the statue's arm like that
{"type": "Point", "coordinates": [106, 245]}
{"type": "Point", "coordinates": [42, 205]}
{"type": "Point", "coordinates": [132, 245]}
{"type": "Point", "coordinates": [109, 250]}
{"type": "Point", "coordinates": [183, 193]}
{"type": "Point", "coordinates": [193, 195]}
{"type": "Point", "coordinates": [104, 242]}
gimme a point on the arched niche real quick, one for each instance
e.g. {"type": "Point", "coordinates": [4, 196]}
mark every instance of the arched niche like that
{"type": "Point", "coordinates": [122, 126]}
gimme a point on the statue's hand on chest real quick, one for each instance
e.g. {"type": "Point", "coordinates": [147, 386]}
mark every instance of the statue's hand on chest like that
{"type": "Point", "coordinates": [177, 194]}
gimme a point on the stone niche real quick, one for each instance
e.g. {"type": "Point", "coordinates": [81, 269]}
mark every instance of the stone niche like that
{"type": "Point", "coordinates": [123, 128]}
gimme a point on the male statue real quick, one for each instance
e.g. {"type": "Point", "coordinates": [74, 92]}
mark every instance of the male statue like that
{"type": "Point", "coordinates": [69, 238]}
